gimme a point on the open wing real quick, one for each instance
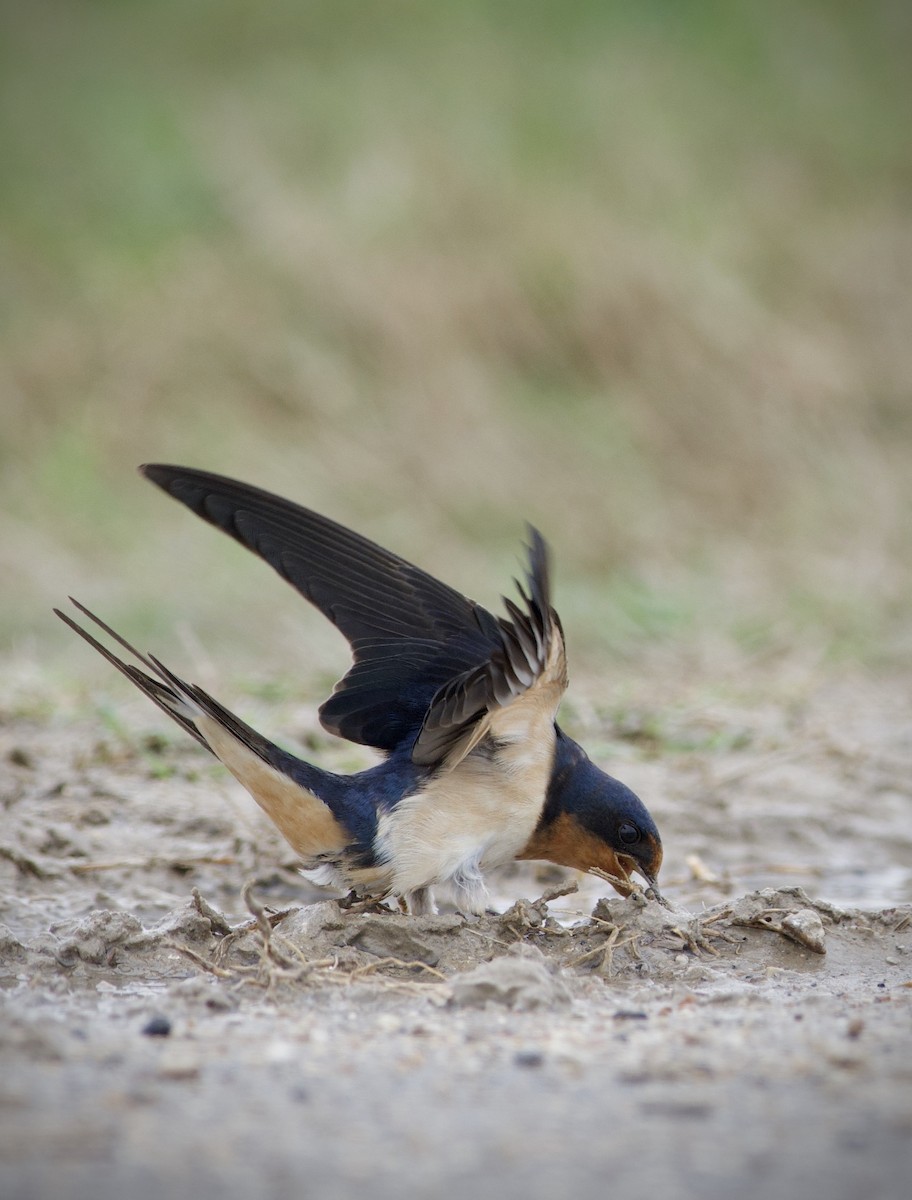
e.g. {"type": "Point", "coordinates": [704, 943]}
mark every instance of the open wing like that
{"type": "Point", "coordinates": [428, 662]}
{"type": "Point", "coordinates": [525, 675]}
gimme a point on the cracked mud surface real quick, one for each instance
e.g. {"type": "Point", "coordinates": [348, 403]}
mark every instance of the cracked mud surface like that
{"type": "Point", "coordinates": [167, 1033]}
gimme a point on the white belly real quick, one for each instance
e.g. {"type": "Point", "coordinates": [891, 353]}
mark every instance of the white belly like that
{"type": "Point", "coordinates": [477, 816]}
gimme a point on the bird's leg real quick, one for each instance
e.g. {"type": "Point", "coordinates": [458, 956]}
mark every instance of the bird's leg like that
{"type": "Point", "coordinates": [419, 903]}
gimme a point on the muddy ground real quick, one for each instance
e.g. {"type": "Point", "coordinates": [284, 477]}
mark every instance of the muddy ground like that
{"type": "Point", "coordinates": [168, 1032]}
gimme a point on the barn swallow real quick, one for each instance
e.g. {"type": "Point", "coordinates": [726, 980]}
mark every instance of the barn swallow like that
{"type": "Point", "coordinates": [462, 705]}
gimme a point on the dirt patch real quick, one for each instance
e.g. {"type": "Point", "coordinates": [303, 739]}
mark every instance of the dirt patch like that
{"type": "Point", "coordinates": [167, 1028]}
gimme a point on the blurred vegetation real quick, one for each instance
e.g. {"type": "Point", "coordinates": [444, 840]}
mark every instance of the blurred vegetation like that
{"type": "Point", "coordinates": [639, 273]}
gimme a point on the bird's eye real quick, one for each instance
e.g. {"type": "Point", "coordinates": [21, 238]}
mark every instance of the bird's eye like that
{"type": "Point", "coordinates": [628, 833]}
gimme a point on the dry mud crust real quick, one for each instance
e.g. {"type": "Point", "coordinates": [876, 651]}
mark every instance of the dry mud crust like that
{"type": "Point", "coordinates": [747, 939]}
{"type": "Point", "coordinates": [161, 1036]}
{"type": "Point", "coordinates": [752, 939]}
{"type": "Point", "coordinates": [332, 1052]}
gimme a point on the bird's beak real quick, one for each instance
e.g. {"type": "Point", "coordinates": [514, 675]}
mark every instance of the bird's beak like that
{"type": "Point", "coordinates": [653, 889]}
{"type": "Point", "coordinates": [630, 866]}
{"type": "Point", "coordinates": [621, 880]}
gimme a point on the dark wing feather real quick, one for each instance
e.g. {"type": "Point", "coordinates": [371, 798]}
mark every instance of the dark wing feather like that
{"type": "Point", "coordinates": [427, 660]}
{"type": "Point", "coordinates": [409, 633]}
{"type": "Point", "coordinates": [529, 660]}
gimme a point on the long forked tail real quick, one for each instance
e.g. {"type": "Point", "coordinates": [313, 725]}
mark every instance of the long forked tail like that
{"type": "Point", "coordinates": [180, 700]}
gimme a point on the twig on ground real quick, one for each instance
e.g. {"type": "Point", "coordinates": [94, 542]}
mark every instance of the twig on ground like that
{"type": "Point", "coordinates": [415, 964]}
{"type": "Point", "coordinates": [555, 893]}
{"type": "Point", "coordinates": [204, 963]}
{"type": "Point", "coordinates": [132, 864]}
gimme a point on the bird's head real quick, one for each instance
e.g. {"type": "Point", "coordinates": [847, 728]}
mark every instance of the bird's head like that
{"type": "Point", "coordinates": [593, 822]}
{"type": "Point", "coordinates": [621, 826]}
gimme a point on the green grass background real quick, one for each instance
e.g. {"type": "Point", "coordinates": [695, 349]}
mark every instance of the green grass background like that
{"type": "Point", "coordinates": [640, 273]}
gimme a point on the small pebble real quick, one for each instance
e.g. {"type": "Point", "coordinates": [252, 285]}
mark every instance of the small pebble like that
{"type": "Point", "coordinates": [157, 1027]}
{"type": "Point", "coordinates": [528, 1058]}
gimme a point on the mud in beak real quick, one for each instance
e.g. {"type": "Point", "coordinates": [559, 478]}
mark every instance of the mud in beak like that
{"type": "Point", "coordinates": [630, 866]}
{"type": "Point", "coordinates": [621, 879]}
{"type": "Point", "coordinates": [653, 889]}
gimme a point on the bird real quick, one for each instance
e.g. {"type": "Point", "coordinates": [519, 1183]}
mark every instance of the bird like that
{"type": "Point", "coordinates": [473, 769]}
